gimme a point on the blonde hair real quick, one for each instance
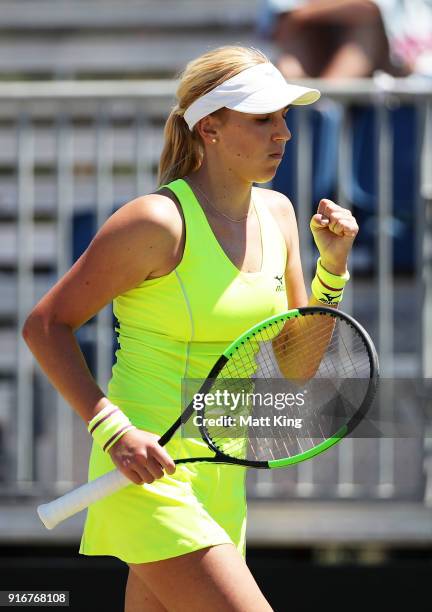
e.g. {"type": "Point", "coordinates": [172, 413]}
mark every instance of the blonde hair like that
{"type": "Point", "coordinates": [183, 150]}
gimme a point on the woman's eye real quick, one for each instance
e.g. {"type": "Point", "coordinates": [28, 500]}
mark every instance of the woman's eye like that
{"type": "Point", "coordinates": [263, 119]}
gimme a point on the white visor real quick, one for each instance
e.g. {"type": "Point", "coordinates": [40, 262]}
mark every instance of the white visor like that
{"type": "Point", "coordinates": [257, 90]}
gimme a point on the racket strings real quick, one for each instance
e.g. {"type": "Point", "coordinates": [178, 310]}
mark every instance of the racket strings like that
{"type": "Point", "coordinates": [327, 348]}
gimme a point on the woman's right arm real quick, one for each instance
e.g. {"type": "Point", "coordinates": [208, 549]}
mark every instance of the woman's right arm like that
{"type": "Point", "coordinates": [141, 239]}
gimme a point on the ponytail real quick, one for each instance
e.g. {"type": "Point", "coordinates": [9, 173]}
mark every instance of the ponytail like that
{"type": "Point", "coordinates": [182, 152]}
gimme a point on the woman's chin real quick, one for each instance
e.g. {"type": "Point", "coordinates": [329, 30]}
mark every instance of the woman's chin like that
{"type": "Point", "coordinates": [266, 177]}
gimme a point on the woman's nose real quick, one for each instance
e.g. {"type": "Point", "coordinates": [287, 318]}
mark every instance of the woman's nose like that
{"type": "Point", "coordinates": [283, 133]}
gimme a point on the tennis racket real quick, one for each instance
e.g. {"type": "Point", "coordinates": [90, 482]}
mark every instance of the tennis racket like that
{"type": "Point", "coordinates": [315, 367]}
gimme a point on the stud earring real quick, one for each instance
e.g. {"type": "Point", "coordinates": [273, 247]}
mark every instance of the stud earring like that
{"type": "Point", "coordinates": [213, 139]}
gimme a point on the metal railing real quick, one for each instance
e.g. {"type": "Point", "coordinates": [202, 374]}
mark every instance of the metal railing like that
{"type": "Point", "coordinates": [71, 147]}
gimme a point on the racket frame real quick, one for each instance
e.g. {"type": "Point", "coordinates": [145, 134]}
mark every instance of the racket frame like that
{"type": "Point", "coordinates": [220, 456]}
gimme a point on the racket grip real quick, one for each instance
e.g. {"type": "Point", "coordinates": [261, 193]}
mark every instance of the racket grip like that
{"type": "Point", "coordinates": [63, 507]}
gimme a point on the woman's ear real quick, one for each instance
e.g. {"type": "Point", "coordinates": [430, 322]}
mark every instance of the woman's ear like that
{"type": "Point", "coordinates": [207, 128]}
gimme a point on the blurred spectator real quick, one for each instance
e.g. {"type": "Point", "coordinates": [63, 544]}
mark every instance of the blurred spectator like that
{"type": "Point", "coordinates": [327, 38]}
{"type": "Point", "coordinates": [408, 25]}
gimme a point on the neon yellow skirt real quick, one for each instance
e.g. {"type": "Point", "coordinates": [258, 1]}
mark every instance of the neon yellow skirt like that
{"type": "Point", "coordinates": [200, 505]}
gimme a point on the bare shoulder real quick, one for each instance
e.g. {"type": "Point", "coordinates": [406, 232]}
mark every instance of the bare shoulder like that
{"type": "Point", "coordinates": [281, 208]}
{"type": "Point", "coordinates": [148, 214]}
{"type": "Point", "coordinates": [141, 240]}
{"type": "Point", "coordinates": [148, 231]}
{"type": "Point", "coordinates": [276, 202]}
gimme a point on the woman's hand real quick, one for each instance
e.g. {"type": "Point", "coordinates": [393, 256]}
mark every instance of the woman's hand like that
{"type": "Point", "coordinates": [334, 230]}
{"type": "Point", "coordinates": [139, 456]}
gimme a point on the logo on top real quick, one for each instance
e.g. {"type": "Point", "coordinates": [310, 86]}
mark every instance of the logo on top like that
{"type": "Point", "coordinates": [280, 283]}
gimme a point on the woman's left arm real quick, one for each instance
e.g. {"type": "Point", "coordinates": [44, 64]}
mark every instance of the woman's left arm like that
{"type": "Point", "coordinates": [334, 230]}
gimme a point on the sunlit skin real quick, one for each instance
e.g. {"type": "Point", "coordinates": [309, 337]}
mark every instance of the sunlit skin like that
{"type": "Point", "coordinates": [240, 156]}
{"type": "Point", "coordinates": [247, 141]}
{"type": "Point", "coordinates": [238, 148]}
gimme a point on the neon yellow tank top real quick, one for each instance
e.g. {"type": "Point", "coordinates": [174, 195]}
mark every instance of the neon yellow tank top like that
{"type": "Point", "coordinates": [176, 326]}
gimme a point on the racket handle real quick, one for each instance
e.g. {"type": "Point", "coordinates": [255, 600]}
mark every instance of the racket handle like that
{"type": "Point", "coordinates": [63, 507]}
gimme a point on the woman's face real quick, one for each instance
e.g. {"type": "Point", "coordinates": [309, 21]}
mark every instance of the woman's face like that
{"type": "Point", "coordinates": [252, 145]}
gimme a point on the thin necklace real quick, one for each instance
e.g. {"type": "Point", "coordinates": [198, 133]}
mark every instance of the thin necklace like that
{"type": "Point", "coordinates": [217, 210]}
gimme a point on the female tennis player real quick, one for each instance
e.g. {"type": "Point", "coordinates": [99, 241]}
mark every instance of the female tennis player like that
{"type": "Point", "coordinates": [188, 268]}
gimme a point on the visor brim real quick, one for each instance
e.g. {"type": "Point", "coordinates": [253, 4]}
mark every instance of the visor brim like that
{"type": "Point", "coordinates": [269, 101]}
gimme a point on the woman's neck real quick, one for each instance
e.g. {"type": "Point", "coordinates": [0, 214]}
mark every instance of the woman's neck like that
{"type": "Point", "coordinates": [223, 191]}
